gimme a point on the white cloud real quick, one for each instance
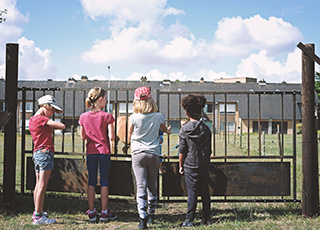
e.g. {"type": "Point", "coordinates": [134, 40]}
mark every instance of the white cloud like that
{"type": "Point", "coordinates": [239, 37]}
{"type": "Point", "coordinates": [261, 66]}
{"type": "Point", "coordinates": [123, 12]}
{"type": "Point", "coordinates": [34, 63]}
{"type": "Point", "coordinates": [141, 39]}
{"type": "Point", "coordinates": [153, 75]}
{"type": "Point", "coordinates": [10, 30]}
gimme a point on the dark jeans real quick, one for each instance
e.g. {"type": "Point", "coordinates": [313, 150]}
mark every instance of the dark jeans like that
{"type": "Point", "coordinates": [198, 183]}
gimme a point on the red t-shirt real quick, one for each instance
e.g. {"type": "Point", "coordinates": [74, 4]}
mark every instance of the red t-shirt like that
{"type": "Point", "coordinates": [41, 133]}
{"type": "Point", "coordinates": [96, 126]}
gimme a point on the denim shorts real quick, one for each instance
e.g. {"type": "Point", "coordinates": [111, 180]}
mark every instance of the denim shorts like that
{"type": "Point", "coordinates": [43, 160]}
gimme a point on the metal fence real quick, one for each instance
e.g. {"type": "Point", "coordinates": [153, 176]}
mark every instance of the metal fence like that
{"type": "Point", "coordinates": [245, 176]}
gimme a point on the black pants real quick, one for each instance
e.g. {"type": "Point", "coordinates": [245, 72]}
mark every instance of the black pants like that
{"type": "Point", "coordinates": [198, 182]}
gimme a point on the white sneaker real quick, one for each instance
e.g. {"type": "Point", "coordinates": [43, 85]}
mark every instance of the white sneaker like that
{"type": "Point", "coordinates": [43, 220]}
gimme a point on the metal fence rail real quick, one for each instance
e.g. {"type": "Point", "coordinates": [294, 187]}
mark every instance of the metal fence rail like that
{"type": "Point", "coordinates": [222, 164]}
{"type": "Point", "coordinates": [248, 159]}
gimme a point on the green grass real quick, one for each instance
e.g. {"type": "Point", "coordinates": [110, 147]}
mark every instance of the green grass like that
{"type": "Point", "coordinates": [70, 211]}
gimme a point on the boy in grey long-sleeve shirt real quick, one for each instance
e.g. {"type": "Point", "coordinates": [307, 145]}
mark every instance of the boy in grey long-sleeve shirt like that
{"type": "Point", "coordinates": [194, 157]}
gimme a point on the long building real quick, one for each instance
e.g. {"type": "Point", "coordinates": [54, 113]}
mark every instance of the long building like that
{"type": "Point", "coordinates": [269, 103]}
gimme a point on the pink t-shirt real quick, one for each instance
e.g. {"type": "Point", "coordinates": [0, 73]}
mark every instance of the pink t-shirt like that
{"type": "Point", "coordinates": [41, 133]}
{"type": "Point", "coordinates": [95, 125]}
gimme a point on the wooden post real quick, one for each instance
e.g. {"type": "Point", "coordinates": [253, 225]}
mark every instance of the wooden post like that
{"type": "Point", "coordinates": [10, 129]}
{"type": "Point", "coordinates": [310, 184]}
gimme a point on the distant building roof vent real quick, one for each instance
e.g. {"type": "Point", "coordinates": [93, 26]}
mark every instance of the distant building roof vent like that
{"type": "Point", "coordinates": [166, 82]}
{"type": "Point", "coordinates": [143, 79]}
{"type": "Point", "coordinates": [84, 78]}
{"type": "Point", "coordinates": [71, 80]}
{"type": "Point", "coordinates": [50, 79]}
{"type": "Point", "coordinates": [262, 82]}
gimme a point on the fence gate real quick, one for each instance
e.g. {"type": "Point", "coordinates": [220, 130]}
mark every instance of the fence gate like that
{"type": "Point", "coordinates": [242, 168]}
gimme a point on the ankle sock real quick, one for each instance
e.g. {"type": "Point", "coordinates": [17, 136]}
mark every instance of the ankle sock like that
{"type": "Point", "coordinates": [105, 211]}
{"type": "Point", "coordinates": [37, 215]}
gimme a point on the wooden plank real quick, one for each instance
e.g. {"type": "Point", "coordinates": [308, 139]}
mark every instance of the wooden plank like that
{"type": "Point", "coordinates": [234, 179]}
{"type": "Point", "coordinates": [309, 53]}
{"type": "Point", "coordinates": [70, 175]}
{"type": "Point", "coordinates": [10, 130]}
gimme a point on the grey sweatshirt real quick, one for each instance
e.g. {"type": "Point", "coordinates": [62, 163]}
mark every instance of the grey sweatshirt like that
{"type": "Point", "coordinates": [195, 145]}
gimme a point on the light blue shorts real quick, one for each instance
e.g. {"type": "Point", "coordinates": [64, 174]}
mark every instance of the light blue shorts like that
{"type": "Point", "coordinates": [43, 160]}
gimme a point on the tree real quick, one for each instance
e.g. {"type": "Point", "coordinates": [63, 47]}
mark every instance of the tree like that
{"type": "Point", "coordinates": [317, 83]}
{"type": "Point", "coordinates": [2, 19]}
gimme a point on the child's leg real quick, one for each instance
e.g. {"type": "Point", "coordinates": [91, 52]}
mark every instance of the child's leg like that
{"type": "Point", "coordinates": [205, 196]}
{"type": "Point", "coordinates": [40, 190]}
{"type": "Point", "coordinates": [44, 163]}
{"type": "Point", "coordinates": [140, 172]}
{"type": "Point", "coordinates": [152, 166]}
{"type": "Point", "coordinates": [191, 184]}
{"type": "Point", "coordinates": [104, 165]}
{"type": "Point", "coordinates": [92, 165]}
{"type": "Point", "coordinates": [35, 192]}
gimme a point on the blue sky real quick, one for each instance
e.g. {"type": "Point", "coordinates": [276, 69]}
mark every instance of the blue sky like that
{"type": "Point", "coordinates": [160, 39]}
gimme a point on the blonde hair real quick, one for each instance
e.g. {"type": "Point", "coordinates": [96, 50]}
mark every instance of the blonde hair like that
{"type": "Point", "coordinates": [93, 95]}
{"type": "Point", "coordinates": [145, 106]}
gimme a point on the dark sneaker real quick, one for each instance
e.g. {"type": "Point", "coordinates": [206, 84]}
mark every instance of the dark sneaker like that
{"type": "Point", "coordinates": [151, 219]}
{"type": "Point", "coordinates": [205, 222]}
{"type": "Point", "coordinates": [187, 223]}
{"type": "Point", "coordinates": [110, 215]}
{"type": "Point", "coordinates": [143, 223]}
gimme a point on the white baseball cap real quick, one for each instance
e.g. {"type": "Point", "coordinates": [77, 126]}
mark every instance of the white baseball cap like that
{"type": "Point", "coordinates": [48, 99]}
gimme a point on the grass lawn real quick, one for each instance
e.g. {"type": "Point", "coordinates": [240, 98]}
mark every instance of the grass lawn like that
{"type": "Point", "coordinates": [70, 211]}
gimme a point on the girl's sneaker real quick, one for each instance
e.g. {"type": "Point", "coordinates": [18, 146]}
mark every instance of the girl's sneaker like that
{"type": "Point", "coordinates": [43, 220]}
{"type": "Point", "coordinates": [92, 215]}
{"type": "Point", "coordinates": [108, 215]}
{"type": "Point", "coordinates": [43, 214]}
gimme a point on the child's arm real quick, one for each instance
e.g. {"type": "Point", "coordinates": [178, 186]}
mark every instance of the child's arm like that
{"type": "Point", "coordinates": [165, 129]}
{"type": "Point", "coordinates": [111, 132]}
{"type": "Point", "coordinates": [130, 131]}
{"type": "Point", "coordinates": [83, 133]}
{"type": "Point", "coordinates": [181, 162]}
{"type": "Point", "coordinates": [55, 124]}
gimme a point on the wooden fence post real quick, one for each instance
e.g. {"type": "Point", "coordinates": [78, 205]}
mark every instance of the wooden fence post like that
{"type": "Point", "coordinates": [310, 184]}
{"type": "Point", "coordinates": [10, 129]}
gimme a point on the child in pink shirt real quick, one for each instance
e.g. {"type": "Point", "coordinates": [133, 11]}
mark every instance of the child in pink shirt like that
{"type": "Point", "coordinates": [96, 126]}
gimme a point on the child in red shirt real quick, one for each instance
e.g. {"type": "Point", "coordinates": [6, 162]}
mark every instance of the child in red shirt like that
{"type": "Point", "coordinates": [41, 128]}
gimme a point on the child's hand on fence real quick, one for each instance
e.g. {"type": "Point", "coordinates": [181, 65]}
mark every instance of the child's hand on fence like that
{"type": "Point", "coordinates": [181, 171]}
{"type": "Point", "coordinates": [169, 129]}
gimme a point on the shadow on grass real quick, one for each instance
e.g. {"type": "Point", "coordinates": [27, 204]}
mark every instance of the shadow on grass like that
{"type": "Point", "coordinates": [167, 213]}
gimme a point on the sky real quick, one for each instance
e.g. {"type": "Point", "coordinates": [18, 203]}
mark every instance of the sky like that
{"type": "Point", "coordinates": [160, 39]}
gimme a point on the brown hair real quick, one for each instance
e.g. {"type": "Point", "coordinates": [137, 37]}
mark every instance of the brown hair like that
{"type": "Point", "coordinates": [193, 104]}
{"type": "Point", "coordinates": [93, 95]}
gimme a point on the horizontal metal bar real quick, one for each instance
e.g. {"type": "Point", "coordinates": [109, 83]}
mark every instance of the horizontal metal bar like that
{"type": "Point", "coordinates": [67, 89]}
{"type": "Point", "coordinates": [235, 92]}
{"type": "Point", "coordinates": [237, 157]}
{"type": "Point", "coordinates": [236, 200]}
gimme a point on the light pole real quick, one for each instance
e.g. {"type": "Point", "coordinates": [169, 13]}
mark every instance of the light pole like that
{"type": "Point", "coordinates": [109, 90]}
